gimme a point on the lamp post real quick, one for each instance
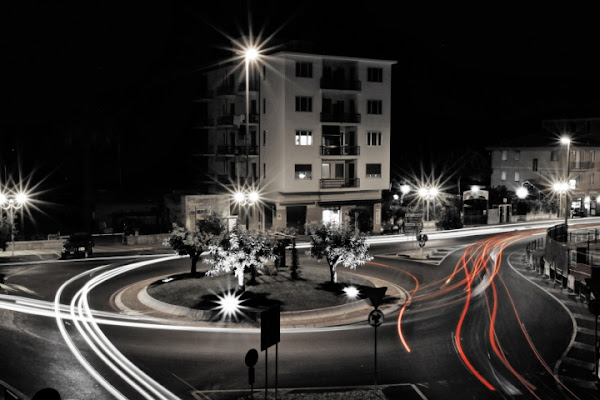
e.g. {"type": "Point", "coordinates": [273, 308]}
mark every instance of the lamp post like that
{"type": "Point", "coordinates": [10, 203]}
{"type": "Point", "coordinates": [428, 193]}
{"type": "Point", "coordinates": [245, 199]}
{"type": "Point", "coordinates": [566, 141]}
{"type": "Point", "coordinates": [404, 189]}
{"type": "Point", "coordinates": [250, 54]}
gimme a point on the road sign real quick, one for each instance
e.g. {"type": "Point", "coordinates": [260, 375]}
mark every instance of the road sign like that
{"type": "Point", "coordinates": [376, 295]}
{"type": "Point", "coordinates": [269, 328]}
{"type": "Point", "coordinates": [375, 318]}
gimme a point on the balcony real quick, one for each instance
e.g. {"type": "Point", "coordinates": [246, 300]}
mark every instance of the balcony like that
{"type": "Point", "coordinates": [341, 117]}
{"type": "Point", "coordinates": [340, 150]}
{"type": "Point", "coordinates": [340, 183]}
{"type": "Point", "coordinates": [341, 84]}
{"type": "Point", "coordinates": [582, 165]}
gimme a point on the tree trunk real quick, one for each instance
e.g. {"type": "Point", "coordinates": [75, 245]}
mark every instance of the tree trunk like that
{"type": "Point", "coordinates": [241, 284]}
{"type": "Point", "coordinates": [333, 272]}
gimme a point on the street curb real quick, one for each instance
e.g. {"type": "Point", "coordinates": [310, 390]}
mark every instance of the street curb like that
{"type": "Point", "coordinates": [328, 316]}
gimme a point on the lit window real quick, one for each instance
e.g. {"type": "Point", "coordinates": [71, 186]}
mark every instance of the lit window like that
{"type": "Point", "coordinates": [517, 176]}
{"type": "Point", "coordinates": [303, 171]}
{"type": "Point", "coordinates": [503, 176]}
{"type": "Point", "coordinates": [504, 155]}
{"type": "Point", "coordinates": [373, 138]}
{"type": "Point", "coordinates": [303, 138]}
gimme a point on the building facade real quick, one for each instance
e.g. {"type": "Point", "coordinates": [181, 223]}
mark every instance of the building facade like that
{"type": "Point", "coordinates": [315, 146]}
{"type": "Point", "coordinates": [539, 168]}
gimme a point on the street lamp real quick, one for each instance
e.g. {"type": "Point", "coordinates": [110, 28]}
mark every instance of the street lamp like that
{"type": "Point", "coordinates": [11, 202]}
{"type": "Point", "coordinates": [428, 193]}
{"type": "Point", "coordinates": [250, 54]}
{"type": "Point", "coordinates": [404, 189]}
{"type": "Point", "coordinates": [566, 141]}
{"type": "Point", "coordinates": [246, 199]}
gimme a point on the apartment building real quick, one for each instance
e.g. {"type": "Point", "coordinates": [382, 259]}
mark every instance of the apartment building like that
{"type": "Point", "coordinates": [539, 167]}
{"type": "Point", "coordinates": [316, 144]}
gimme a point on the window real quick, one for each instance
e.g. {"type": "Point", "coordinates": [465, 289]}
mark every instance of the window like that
{"type": "Point", "coordinates": [373, 138]}
{"type": "Point", "coordinates": [303, 104]}
{"type": "Point", "coordinates": [373, 170]}
{"type": "Point", "coordinates": [517, 176]}
{"type": "Point", "coordinates": [534, 167]}
{"type": "Point", "coordinates": [374, 107]}
{"type": "Point", "coordinates": [554, 155]}
{"type": "Point", "coordinates": [592, 179]}
{"type": "Point", "coordinates": [503, 176]}
{"type": "Point", "coordinates": [264, 138]}
{"type": "Point", "coordinates": [517, 155]}
{"type": "Point", "coordinates": [504, 155]}
{"type": "Point", "coordinates": [264, 170]}
{"type": "Point", "coordinates": [303, 171]}
{"type": "Point", "coordinates": [303, 138]}
{"type": "Point", "coordinates": [375, 74]}
{"type": "Point", "coordinates": [592, 155]}
{"type": "Point", "coordinates": [264, 106]}
{"type": "Point", "coordinates": [304, 69]}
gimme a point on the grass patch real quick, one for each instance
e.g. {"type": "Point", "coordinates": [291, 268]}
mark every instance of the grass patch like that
{"type": "Point", "coordinates": [312, 290]}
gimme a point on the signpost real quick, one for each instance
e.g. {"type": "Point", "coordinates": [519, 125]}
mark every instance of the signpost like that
{"type": "Point", "coordinates": [376, 316]}
{"type": "Point", "coordinates": [251, 359]}
{"type": "Point", "coordinates": [269, 335]}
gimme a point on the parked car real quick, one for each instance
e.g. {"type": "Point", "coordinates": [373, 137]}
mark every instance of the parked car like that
{"type": "Point", "coordinates": [578, 212]}
{"type": "Point", "coordinates": [78, 245]}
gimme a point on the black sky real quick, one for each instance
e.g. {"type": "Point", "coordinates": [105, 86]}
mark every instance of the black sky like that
{"type": "Point", "coordinates": [464, 76]}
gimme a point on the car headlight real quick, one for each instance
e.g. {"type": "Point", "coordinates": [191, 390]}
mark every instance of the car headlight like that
{"type": "Point", "coordinates": [81, 249]}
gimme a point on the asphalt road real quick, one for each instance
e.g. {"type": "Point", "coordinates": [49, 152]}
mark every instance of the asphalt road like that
{"type": "Point", "coordinates": [511, 335]}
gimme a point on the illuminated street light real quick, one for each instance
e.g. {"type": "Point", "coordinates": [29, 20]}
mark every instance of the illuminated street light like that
{"type": "Point", "coordinates": [566, 141]}
{"type": "Point", "coordinates": [428, 193]}
{"type": "Point", "coordinates": [245, 199]}
{"type": "Point", "coordinates": [11, 202]}
{"type": "Point", "coordinates": [404, 189]}
{"type": "Point", "coordinates": [522, 192]}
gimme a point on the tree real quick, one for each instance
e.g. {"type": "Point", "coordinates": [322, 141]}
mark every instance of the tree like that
{"type": "Point", "coordinates": [450, 218]}
{"type": "Point", "coordinates": [242, 251]}
{"type": "Point", "coordinates": [208, 231]}
{"type": "Point", "coordinates": [337, 246]}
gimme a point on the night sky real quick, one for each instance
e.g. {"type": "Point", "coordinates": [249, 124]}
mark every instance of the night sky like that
{"type": "Point", "coordinates": [465, 77]}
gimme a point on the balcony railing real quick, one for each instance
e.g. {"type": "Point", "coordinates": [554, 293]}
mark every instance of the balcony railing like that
{"type": "Point", "coordinates": [582, 165]}
{"type": "Point", "coordinates": [340, 183]}
{"type": "Point", "coordinates": [340, 84]}
{"type": "Point", "coordinates": [340, 150]}
{"type": "Point", "coordinates": [340, 117]}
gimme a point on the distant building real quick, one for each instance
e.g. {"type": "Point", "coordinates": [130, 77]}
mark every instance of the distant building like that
{"type": "Point", "coordinates": [539, 166]}
{"type": "Point", "coordinates": [318, 145]}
